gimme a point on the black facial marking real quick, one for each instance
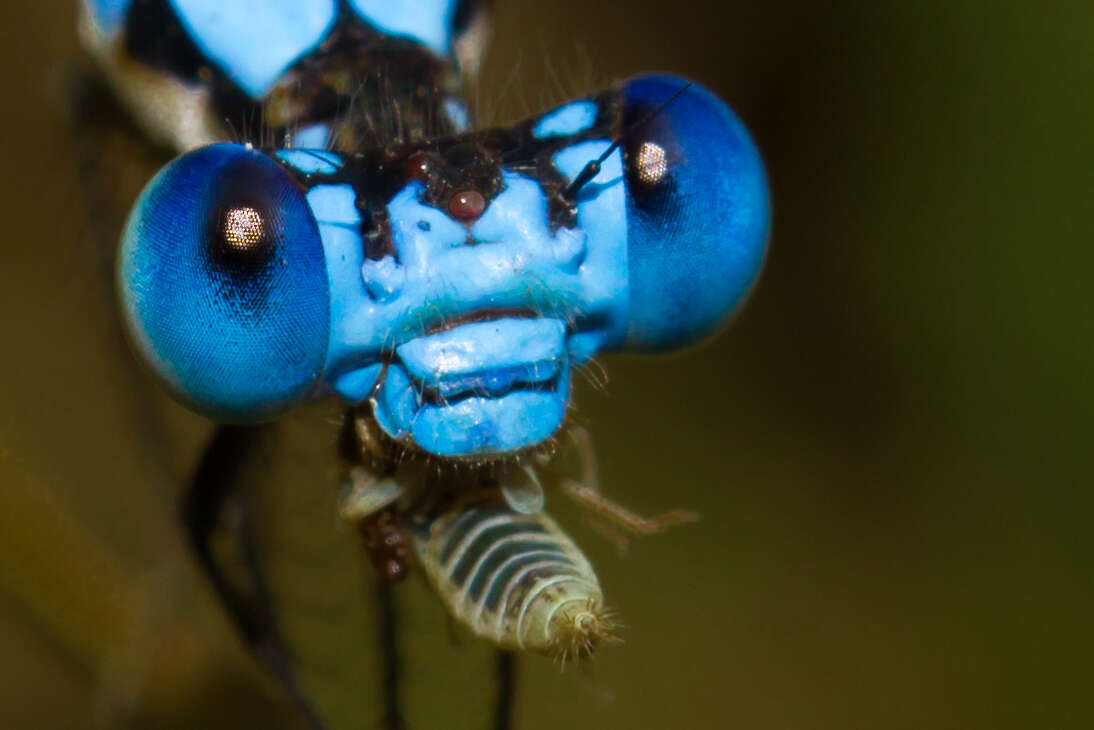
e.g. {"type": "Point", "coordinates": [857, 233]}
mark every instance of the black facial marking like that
{"type": "Point", "coordinates": [461, 174]}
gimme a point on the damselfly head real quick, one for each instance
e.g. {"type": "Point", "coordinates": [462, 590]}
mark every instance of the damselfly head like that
{"type": "Point", "coordinates": [632, 220]}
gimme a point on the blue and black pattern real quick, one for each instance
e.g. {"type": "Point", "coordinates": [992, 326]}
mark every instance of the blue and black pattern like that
{"type": "Point", "coordinates": [429, 242]}
{"type": "Point", "coordinates": [305, 65]}
{"type": "Point", "coordinates": [368, 243]}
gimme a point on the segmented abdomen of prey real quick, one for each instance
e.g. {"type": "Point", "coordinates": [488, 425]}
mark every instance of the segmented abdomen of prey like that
{"type": "Point", "coordinates": [514, 579]}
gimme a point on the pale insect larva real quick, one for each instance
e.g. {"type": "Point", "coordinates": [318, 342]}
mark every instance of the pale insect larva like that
{"type": "Point", "coordinates": [502, 567]}
{"type": "Point", "coordinates": [515, 579]}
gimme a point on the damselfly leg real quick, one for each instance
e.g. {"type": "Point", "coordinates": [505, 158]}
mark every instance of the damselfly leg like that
{"type": "Point", "coordinates": [213, 503]}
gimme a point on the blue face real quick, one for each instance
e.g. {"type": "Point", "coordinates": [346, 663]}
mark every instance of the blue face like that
{"type": "Point", "coordinates": [456, 293]}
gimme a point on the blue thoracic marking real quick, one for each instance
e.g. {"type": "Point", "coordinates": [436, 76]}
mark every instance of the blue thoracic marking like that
{"type": "Point", "coordinates": [252, 43]}
{"type": "Point", "coordinates": [566, 120]}
{"type": "Point", "coordinates": [108, 14]}
{"type": "Point", "coordinates": [427, 21]}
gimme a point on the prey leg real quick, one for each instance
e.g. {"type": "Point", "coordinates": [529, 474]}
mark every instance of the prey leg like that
{"type": "Point", "coordinates": [619, 515]}
{"type": "Point", "coordinates": [214, 503]}
{"type": "Point", "coordinates": [605, 514]}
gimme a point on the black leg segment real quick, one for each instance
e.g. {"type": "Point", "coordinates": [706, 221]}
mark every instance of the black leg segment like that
{"type": "Point", "coordinates": [391, 668]}
{"type": "Point", "coordinates": [212, 503]}
{"type": "Point", "coordinates": [507, 690]}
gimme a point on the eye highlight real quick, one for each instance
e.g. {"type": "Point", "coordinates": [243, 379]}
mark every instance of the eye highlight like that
{"type": "Point", "coordinates": [651, 164]}
{"type": "Point", "coordinates": [697, 211]}
{"type": "Point", "coordinates": [223, 283]}
{"type": "Point", "coordinates": [243, 230]}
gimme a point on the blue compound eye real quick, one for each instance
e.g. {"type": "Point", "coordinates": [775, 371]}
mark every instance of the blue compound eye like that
{"type": "Point", "coordinates": [223, 284]}
{"type": "Point", "coordinates": [697, 212]}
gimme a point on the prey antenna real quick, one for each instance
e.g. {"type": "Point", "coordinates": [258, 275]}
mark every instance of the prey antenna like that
{"type": "Point", "coordinates": [592, 168]}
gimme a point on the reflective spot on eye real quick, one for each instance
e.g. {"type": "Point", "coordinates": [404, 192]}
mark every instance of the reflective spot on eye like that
{"type": "Point", "coordinates": [244, 229]}
{"type": "Point", "coordinates": [466, 205]}
{"type": "Point", "coordinates": [651, 164]}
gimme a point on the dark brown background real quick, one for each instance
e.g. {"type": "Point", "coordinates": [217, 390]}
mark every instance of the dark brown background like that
{"type": "Point", "coordinates": [890, 448]}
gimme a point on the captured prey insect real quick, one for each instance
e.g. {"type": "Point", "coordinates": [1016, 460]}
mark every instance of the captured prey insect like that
{"type": "Point", "coordinates": [443, 282]}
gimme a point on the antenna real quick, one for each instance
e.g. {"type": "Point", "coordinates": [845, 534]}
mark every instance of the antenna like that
{"type": "Point", "coordinates": [592, 168]}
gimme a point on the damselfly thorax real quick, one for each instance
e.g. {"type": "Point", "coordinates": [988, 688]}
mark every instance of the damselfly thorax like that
{"type": "Point", "coordinates": [195, 73]}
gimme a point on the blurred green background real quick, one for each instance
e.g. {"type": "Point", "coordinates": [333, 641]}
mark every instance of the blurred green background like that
{"type": "Point", "coordinates": [890, 448]}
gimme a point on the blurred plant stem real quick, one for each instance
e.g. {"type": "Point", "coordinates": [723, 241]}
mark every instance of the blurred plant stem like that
{"type": "Point", "coordinates": [124, 629]}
